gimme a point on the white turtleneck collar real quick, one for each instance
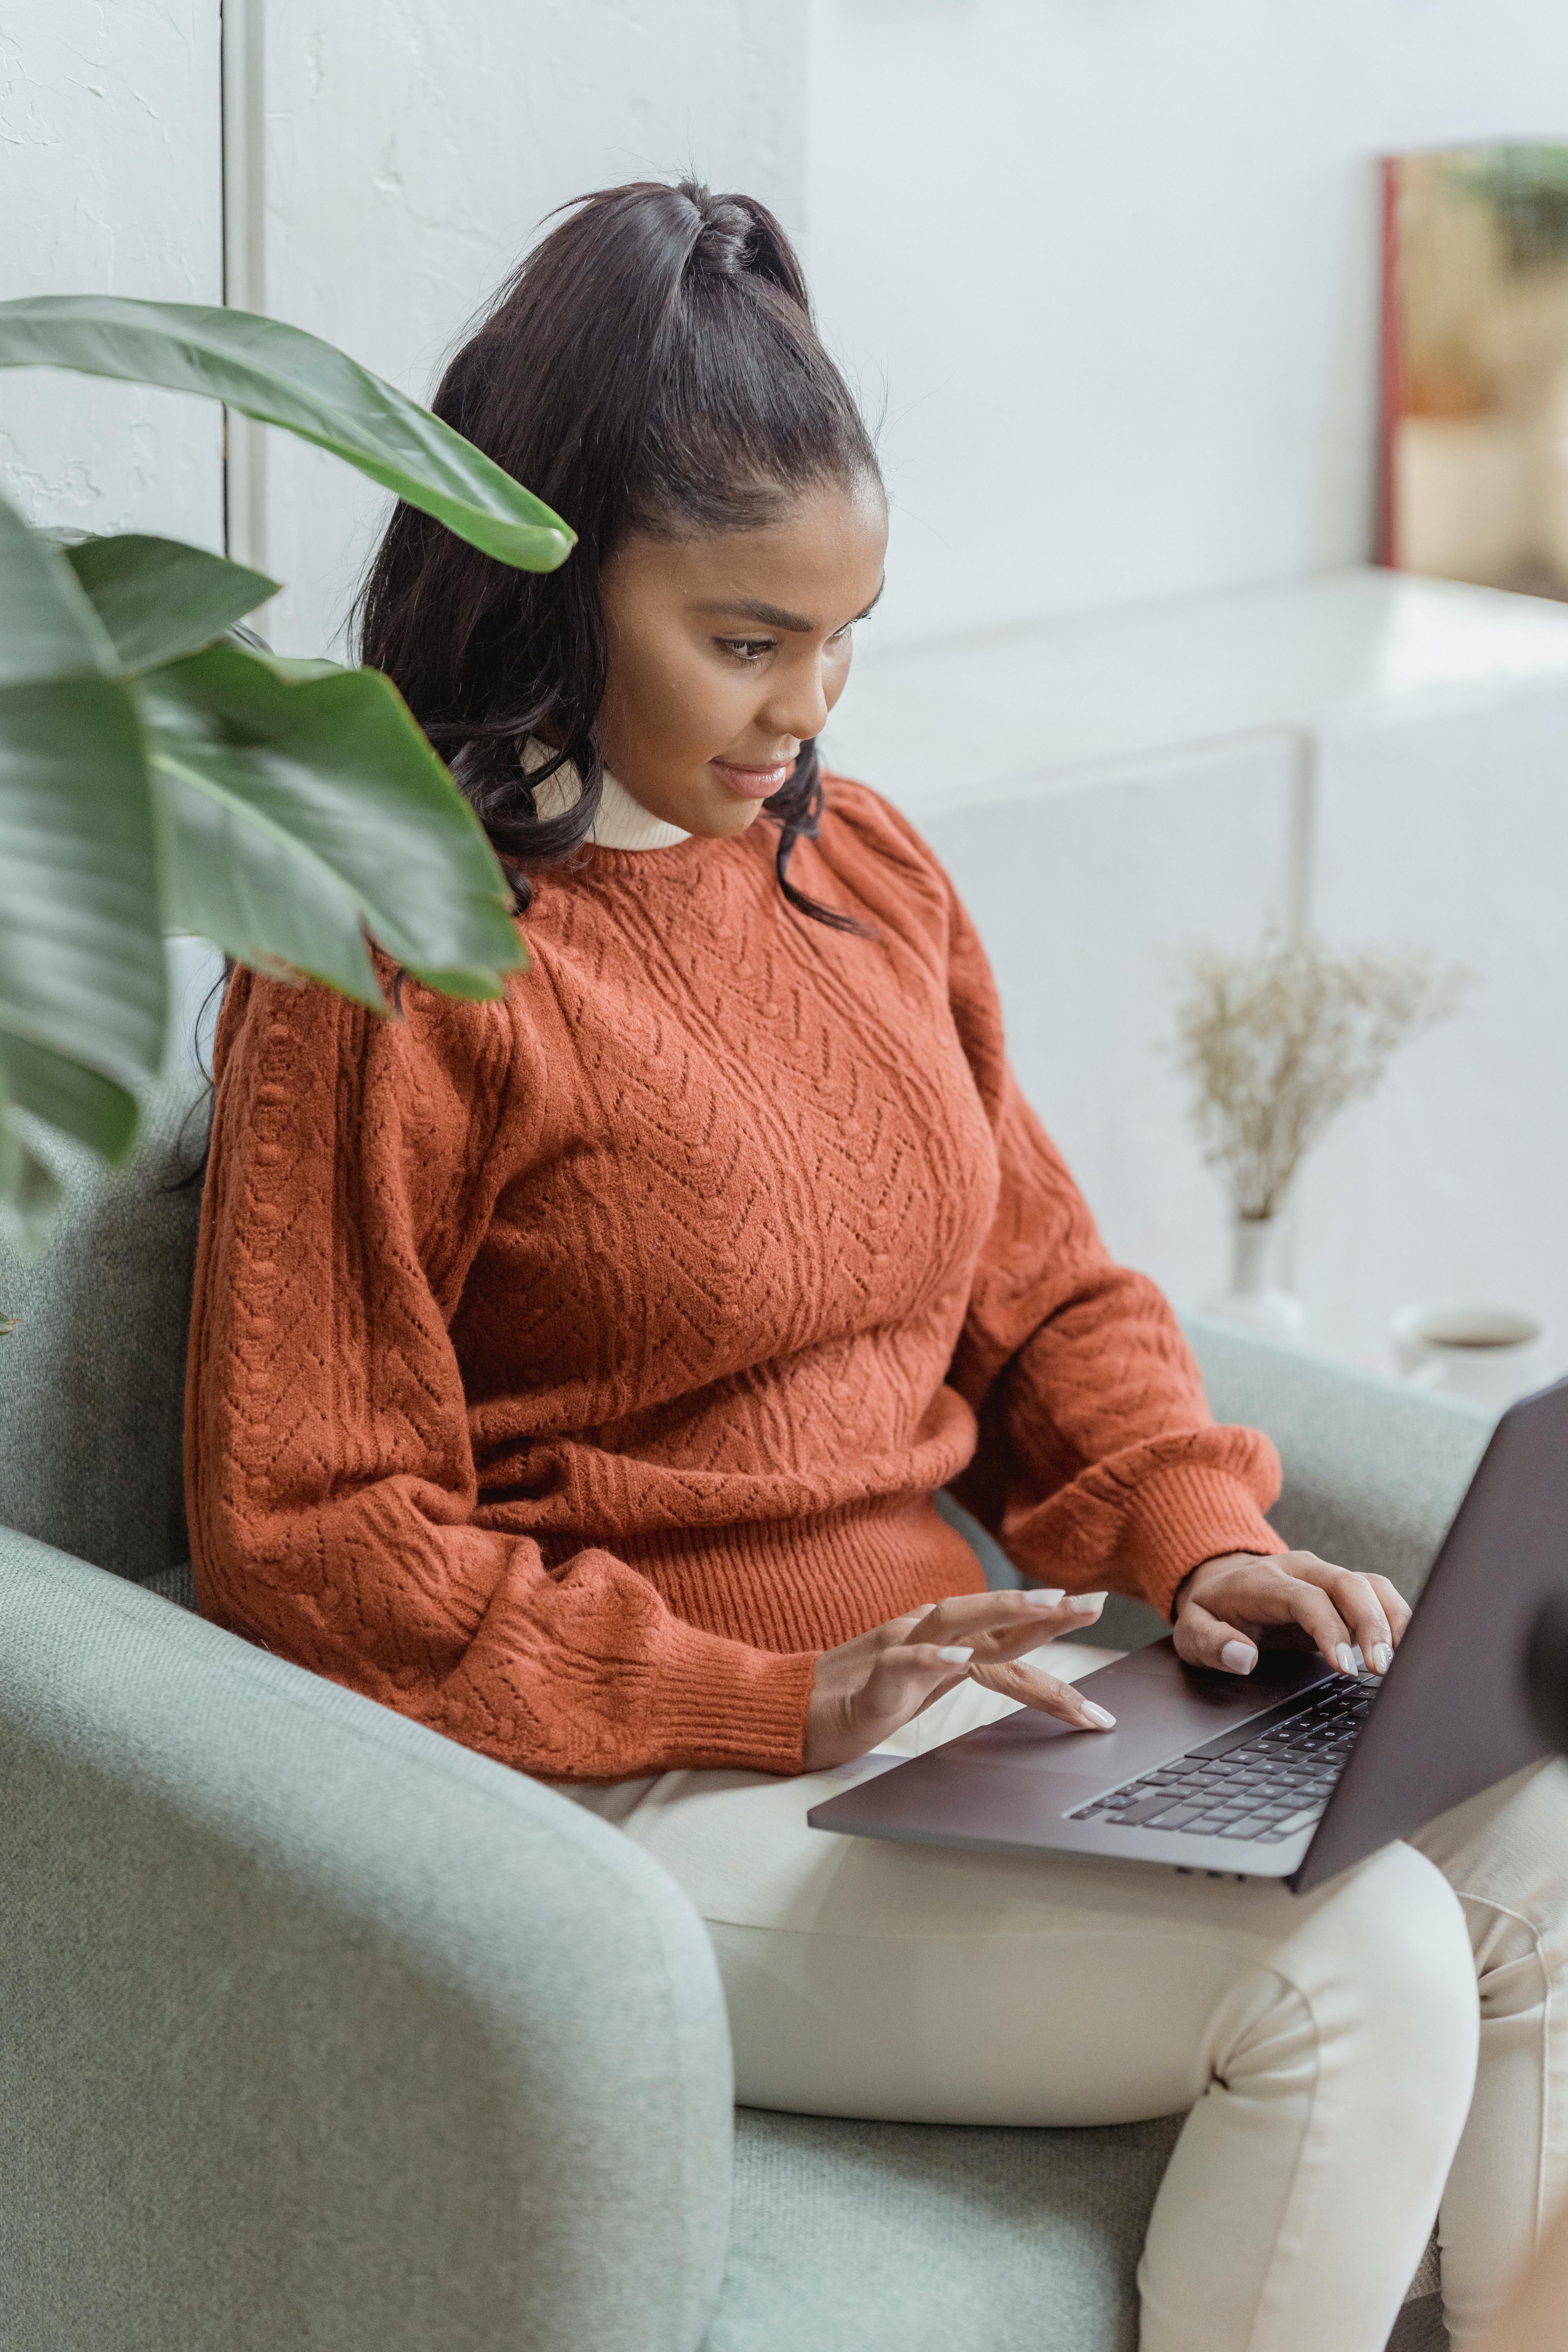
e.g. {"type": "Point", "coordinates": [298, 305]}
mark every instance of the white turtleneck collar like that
{"type": "Point", "coordinates": [620, 823]}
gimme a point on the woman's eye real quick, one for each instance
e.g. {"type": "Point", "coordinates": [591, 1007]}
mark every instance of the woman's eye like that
{"type": "Point", "coordinates": [747, 649]}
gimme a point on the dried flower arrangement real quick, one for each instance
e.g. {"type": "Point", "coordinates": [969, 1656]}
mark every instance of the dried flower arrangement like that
{"type": "Point", "coordinates": [1277, 1043]}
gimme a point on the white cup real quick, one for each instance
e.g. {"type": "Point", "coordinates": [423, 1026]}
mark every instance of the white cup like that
{"type": "Point", "coordinates": [1488, 1355]}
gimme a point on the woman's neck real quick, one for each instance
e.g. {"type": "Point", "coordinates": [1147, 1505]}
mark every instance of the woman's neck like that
{"type": "Point", "coordinates": [619, 822]}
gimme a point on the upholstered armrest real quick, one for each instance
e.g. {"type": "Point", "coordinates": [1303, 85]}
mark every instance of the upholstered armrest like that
{"type": "Point", "coordinates": [318, 2029]}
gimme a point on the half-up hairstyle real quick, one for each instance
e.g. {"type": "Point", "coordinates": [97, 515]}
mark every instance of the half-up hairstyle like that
{"type": "Point", "coordinates": [652, 366]}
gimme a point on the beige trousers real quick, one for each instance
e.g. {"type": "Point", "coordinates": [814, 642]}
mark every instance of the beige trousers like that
{"type": "Point", "coordinates": [1324, 2048]}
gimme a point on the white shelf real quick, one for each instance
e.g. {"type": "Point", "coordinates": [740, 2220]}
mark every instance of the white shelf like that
{"type": "Point", "coordinates": [937, 726]}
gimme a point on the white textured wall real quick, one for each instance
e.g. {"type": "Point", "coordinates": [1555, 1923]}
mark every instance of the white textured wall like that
{"type": "Point", "coordinates": [1114, 264]}
{"type": "Point", "coordinates": [109, 171]}
{"type": "Point", "coordinates": [1112, 267]}
{"type": "Point", "coordinates": [411, 148]}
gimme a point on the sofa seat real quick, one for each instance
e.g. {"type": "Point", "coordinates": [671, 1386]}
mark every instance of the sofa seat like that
{"type": "Point", "coordinates": [857, 2237]}
{"type": "Point", "coordinates": [925, 2238]}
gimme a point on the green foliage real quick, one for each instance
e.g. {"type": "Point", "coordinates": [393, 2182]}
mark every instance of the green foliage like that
{"type": "Point", "coordinates": [157, 773]}
{"type": "Point", "coordinates": [299, 812]}
{"type": "Point", "coordinates": [157, 599]}
{"type": "Point", "coordinates": [283, 376]}
{"type": "Point", "coordinates": [1526, 188]}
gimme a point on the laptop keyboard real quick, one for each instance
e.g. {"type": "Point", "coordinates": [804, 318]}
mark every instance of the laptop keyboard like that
{"type": "Point", "coordinates": [1265, 1785]}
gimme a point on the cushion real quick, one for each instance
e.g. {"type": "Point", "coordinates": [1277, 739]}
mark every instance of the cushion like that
{"type": "Point", "coordinates": [858, 2237]}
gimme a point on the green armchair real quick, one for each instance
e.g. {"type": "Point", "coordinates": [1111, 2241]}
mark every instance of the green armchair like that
{"type": "Point", "coordinates": [319, 2030]}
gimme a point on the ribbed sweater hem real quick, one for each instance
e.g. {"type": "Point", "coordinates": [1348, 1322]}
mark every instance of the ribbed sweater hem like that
{"type": "Point", "coordinates": [792, 1585]}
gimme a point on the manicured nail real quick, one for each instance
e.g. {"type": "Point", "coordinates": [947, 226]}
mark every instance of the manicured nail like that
{"type": "Point", "coordinates": [1086, 1604]}
{"type": "Point", "coordinates": [1044, 1596]}
{"type": "Point", "coordinates": [1101, 1715]}
{"type": "Point", "coordinates": [1381, 1658]}
{"type": "Point", "coordinates": [1238, 1657]}
{"type": "Point", "coordinates": [1346, 1657]}
{"type": "Point", "coordinates": [953, 1656]}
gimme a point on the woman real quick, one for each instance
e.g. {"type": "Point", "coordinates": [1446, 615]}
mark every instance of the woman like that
{"type": "Point", "coordinates": [574, 1372]}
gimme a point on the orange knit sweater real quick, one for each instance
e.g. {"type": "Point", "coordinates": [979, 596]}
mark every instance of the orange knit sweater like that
{"type": "Point", "coordinates": [567, 1372]}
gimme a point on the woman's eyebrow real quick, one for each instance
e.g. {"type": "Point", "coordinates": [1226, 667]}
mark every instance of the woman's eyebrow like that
{"type": "Point", "coordinates": [773, 616]}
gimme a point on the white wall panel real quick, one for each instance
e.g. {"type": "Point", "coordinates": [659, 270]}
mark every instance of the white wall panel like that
{"type": "Point", "coordinates": [110, 177]}
{"type": "Point", "coordinates": [1451, 835]}
{"type": "Point", "coordinates": [1086, 892]}
{"type": "Point", "coordinates": [411, 151]}
{"type": "Point", "coordinates": [1113, 268]}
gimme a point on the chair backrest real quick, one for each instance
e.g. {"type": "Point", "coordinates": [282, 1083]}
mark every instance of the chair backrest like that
{"type": "Point", "coordinates": [93, 1378]}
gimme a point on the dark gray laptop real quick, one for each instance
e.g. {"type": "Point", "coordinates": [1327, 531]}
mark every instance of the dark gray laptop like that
{"type": "Point", "coordinates": [1297, 1772]}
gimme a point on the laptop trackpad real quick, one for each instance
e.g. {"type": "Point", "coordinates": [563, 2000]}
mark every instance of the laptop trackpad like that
{"type": "Point", "coordinates": [1161, 1707]}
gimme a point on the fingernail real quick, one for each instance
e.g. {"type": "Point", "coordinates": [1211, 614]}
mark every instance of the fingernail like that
{"type": "Point", "coordinates": [1044, 1596]}
{"type": "Point", "coordinates": [1346, 1658]}
{"type": "Point", "coordinates": [953, 1656]}
{"type": "Point", "coordinates": [1086, 1604]}
{"type": "Point", "coordinates": [1101, 1715]}
{"type": "Point", "coordinates": [1238, 1657]}
{"type": "Point", "coordinates": [1381, 1658]}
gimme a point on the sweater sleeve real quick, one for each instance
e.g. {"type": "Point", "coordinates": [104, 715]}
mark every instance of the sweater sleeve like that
{"type": "Point", "coordinates": [1099, 1463]}
{"type": "Point", "coordinates": [329, 1471]}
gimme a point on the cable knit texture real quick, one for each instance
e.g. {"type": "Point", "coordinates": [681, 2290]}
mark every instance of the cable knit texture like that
{"type": "Point", "coordinates": [567, 1372]}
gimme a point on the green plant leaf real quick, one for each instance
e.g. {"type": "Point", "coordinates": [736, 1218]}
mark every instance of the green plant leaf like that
{"type": "Point", "coordinates": [284, 376]}
{"type": "Point", "coordinates": [93, 1108]}
{"type": "Point", "coordinates": [300, 813]}
{"type": "Point", "coordinates": [29, 1195]}
{"type": "Point", "coordinates": [81, 951]}
{"type": "Point", "coordinates": [48, 627]}
{"type": "Point", "coordinates": [158, 599]}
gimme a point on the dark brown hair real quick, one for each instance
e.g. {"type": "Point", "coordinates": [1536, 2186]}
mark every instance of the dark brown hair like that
{"type": "Point", "coordinates": [654, 366]}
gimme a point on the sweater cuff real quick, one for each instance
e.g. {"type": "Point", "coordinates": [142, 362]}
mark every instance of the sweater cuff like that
{"type": "Point", "coordinates": [1178, 1518]}
{"type": "Point", "coordinates": [720, 1705]}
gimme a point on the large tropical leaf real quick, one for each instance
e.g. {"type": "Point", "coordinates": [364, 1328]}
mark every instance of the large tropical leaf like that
{"type": "Point", "coordinates": [48, 627]}
{"type": "Point", "coordinates": [29, 1195]}
{"type": "Point", "coordinates": [81, 951]}
{"type": "Point", "coordinates": [157, 598]}
{"type": "Point", "coordinates": [284, 376]}
{"type": "Point", "coordinates": [88, 1105]}
{"type": "Point", "coordinates": [302, 813]}
{"type": "Point", "coordinates": [81, 956]}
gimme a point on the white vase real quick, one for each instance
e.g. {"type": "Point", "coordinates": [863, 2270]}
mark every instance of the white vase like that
{"type": "Point", "coordinates": [1255, 1299]}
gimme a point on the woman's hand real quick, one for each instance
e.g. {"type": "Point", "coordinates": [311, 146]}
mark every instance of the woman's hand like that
{"type": "Point", "coordinates": [866, 1689]}
{"type": "Point", "coordinates": [1226, 1607]}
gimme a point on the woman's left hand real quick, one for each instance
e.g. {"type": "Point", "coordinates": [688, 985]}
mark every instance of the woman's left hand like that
{"type": "Point", "coordinates": [1228, 1606]}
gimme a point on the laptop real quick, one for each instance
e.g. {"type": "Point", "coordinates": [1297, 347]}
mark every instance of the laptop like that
{"type": "Point", "coordinates": [1296, 1771]}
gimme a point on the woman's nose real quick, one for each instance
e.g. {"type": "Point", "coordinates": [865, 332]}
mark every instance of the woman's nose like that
{"type": "Point", "coordinates": [799, 705]}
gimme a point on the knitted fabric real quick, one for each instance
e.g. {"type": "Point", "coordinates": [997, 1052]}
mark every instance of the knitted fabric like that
{"type": "Point", "coordinates": [568, 1370]}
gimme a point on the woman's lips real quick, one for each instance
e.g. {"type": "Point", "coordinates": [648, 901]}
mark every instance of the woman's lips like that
{"type": "Point", "coordinates": [755, 784]}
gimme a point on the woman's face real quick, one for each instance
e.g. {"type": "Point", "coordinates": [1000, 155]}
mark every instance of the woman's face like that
{"type": "Point", "coordinates": [727, 653]}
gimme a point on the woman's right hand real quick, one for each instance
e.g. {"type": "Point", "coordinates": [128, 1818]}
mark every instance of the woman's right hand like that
{"type": "Point", "coordinates": [867, 1688]}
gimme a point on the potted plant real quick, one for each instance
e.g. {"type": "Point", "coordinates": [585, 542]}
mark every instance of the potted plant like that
{"type": "Point", "coordinates": [1276, 1044]}
{"type": "Point", "coordinates": [161, 773]}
